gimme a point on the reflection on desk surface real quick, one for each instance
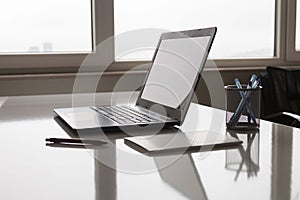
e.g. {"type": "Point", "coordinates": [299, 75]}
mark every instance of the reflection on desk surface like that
{"type": "Point", "coordinates": [183, 176]}
{"type": "Point", "coordinates": [246, 157]}
{"type": "Point", "coordinates": [30, 170]}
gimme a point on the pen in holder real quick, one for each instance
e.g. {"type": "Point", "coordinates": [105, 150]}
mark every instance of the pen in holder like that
{"type": "Point", "coordinates": [242, 107]}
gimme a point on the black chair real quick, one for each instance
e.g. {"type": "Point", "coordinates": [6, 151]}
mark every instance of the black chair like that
{"type": "Point", "coordinates": [281, 95]}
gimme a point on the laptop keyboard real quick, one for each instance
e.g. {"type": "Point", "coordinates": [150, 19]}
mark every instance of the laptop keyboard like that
{"type": "Point", "coordinates": [125, 114]}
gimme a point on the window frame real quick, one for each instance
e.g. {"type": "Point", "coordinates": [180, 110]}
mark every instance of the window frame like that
{"type": "Point", "coordinates": [282, 54]}
{"type": "Point", "coordinates": [292, 53]}
{"type": "Point", "coordinates": [103, 28]}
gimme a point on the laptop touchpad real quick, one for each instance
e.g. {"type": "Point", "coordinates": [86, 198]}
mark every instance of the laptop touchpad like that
{"type": "Point", "coordinates": [81, 115]}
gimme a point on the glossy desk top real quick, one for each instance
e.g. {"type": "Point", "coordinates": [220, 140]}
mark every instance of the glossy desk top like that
{"type": "Point", "coordinates": [267, 166]}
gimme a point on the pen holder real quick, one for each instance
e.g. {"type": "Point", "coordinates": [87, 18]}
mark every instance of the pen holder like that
{"type": "Point", "coordinates": [242, 107]}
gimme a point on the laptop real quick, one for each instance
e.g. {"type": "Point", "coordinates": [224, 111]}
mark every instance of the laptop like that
{"type": "Point", "coordinates": [167, 91]}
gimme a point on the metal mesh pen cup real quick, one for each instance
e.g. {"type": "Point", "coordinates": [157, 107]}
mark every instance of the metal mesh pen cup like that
{"type": "Point", "coordinates": [242, 107]}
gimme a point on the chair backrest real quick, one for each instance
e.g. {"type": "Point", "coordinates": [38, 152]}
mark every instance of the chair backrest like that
{"type": "Point", "coordinates": [286, 89]}
{"type": "Point", "coordinates": [268, 106]}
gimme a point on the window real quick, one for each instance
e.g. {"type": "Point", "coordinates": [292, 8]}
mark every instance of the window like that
{"type": "Point", "coordinates": [58, 35]}
{"type": "Point", "coordinates": [245, 30]}
{"type": "Point", "coordinates": [51, 36]}
{"type": "Point", "coordinates": [298, 27]}
{"type": "Point", "coordinates": [293, 31]}
{"type": "Point", "coordinates": [45, 26]}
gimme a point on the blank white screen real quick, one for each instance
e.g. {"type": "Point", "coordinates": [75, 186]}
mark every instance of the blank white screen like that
{"type": "Point", "coordinates": [174, 70]}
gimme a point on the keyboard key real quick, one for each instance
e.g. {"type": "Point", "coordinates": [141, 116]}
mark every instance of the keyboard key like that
{"type": "Point", "coordinates": [124, 114]}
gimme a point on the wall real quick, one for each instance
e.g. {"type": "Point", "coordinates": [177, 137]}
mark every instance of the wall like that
{"type": "Point", "coordinates": [34, 84]}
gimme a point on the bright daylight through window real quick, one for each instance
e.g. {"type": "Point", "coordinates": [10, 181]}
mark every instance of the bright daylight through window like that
{"type": "Point", "coordinates": [298, 27]}
{"type": "Point", "coordinates": [45, 26]}
{"type": "Point", "coordinates": [245, 30]}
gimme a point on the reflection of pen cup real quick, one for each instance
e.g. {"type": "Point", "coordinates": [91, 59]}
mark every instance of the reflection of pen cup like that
{"type": "Point", "coordinates": [246, 157]}
{"type": "Point", "coordinates": [242, 107]}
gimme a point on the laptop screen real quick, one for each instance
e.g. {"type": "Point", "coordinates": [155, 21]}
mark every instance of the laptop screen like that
{"type": "Point", "coordinates": [175, 69]}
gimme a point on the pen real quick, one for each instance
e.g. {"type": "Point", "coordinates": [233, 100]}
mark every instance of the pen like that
{"type": "Point", "coordinates": [251, 81]}
{"type": "Point", "coordinates": [73, 146]}
{"type": "Point", "coordinates": [75, 141]}
{"type": "Point", "coordinates": [245, 99]}
{"type": "Point", "coordinates": [254, 83]}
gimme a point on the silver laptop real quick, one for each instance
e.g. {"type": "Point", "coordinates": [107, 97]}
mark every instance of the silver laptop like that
{"type": "Point", "coordinates": [166, 93]}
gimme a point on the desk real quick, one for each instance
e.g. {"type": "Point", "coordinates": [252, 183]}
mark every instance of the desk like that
{"type": "Point", "coordinates": [31, 170]}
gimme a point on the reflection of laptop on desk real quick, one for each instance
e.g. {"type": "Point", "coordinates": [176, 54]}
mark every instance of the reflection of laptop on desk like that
{"type": "Point", "coordinates": [183, 176]}
{"type": "Point", "coordinates": [168, 88]}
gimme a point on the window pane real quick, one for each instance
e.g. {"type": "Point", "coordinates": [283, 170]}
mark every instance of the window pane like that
{"type": "Point", "coordinates": [45, 26]}
{"type": "Point", "coordinates": [298, 27]}
{"type": "Point", "coordinates": [245, 28]}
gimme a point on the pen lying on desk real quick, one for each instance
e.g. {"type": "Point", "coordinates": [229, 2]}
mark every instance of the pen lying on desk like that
{"type": "Point", "coordinates": [74, 146]}
{"type": "Point", "coordinates": [75, 141]}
